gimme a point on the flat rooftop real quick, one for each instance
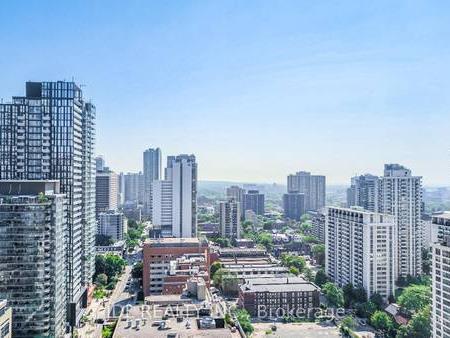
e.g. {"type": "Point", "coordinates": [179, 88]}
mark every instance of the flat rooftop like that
{"type": "Point", "coordinates": [168, 242]}
{"type": "Point", "coordinates": [444, 215]}
{"type": "Point", "coordinates": [279, 284]}
{"type": "Point", "coordinates": [176, 329]}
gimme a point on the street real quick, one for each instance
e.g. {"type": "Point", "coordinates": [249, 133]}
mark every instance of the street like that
{"type": "Point", "coordinates": [103, 310]}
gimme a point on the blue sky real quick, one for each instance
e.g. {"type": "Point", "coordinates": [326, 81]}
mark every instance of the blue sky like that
{"type": "Point", "coordinates": [256, 89]}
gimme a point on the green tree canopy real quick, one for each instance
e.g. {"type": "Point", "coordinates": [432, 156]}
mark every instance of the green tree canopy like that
{"type": "Point", "coordinates": [137, 270]}
{"type": "Point", "coordinates": [415, 297]}
{"type": "Point", "coordinates": [265, 240]}
{"type": "Point", "coordinates": [101, 279]}
{"type": "Point", "coordinates": [380, 320]}
{"type": "Point", "coordinates": [348, 322]}
{"type": "Point", "coordinates": [377, 300]}
{"type": "Point", "coordinates": [110, 265]}
{"type": "Point", "coordinates": [290, 261]}
{"type": "Point", "coordinates": [243, 318]}
{"type": "Point", "coordinates": [334, 294]}
{"type": "Point", "coordinates": [321, 278]}
{"type": "Point", "coordinates": [222, 242]}
{"type": "Point", "coordinates": [318, 251]}
{"type": "Point", "coordinates": [294, 270]}
{"type": "Point", "coordinates": [419, 326]}
{"type": "Point", "coordinates": [308, 274]}
{"type": "Point", "coordinates": [214, 268]}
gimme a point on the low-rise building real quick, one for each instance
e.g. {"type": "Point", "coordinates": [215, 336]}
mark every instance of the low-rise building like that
{"type": "Point", "coordinates": [169, 262]}
{"type": "Point", "coordinates": [245, 243]}
{"type": "Point", "coordinates": [276, 297]}
{"type": "Point", "coordinates": [245, 263]}
{"type": "Point", "coordinates": [117, 248]}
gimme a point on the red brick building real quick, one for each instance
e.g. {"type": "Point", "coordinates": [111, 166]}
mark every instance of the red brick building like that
{"type": "Point", "coordinates": [169, 262]}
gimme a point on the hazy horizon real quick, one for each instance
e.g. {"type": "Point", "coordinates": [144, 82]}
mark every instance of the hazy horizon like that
{"type": "Point", "coordinates": [256, 90]}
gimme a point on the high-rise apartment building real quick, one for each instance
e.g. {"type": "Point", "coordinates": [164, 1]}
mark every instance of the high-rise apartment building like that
{"type": "Point", "coordinates": [33, 262]}
{"type": "Point", "coordinates": [5, 319]}
{"type": "Point", "coordinates": [312, 186]}
{"type": "Point", "coordinates": [112, 224]}
{"type": "Point", "coordinates": [49, 134]}
{"type": "Point", "coordinates": [253, 200]}
{"type": "Point", "coordinates": [99, 163]}
{"type": "Point", "coordinates": [400, 195]}
{"type": "Point", "coordinates": [162, 208]}
{"type": "Point", "coordinates": [121, 189]}
{"type": "Point", "coordinates": [360, 249]}
{"type": "Point", "coordinates": [106, 191]}
{"type": "Point", "coordinates": [318, 224]}
{"type": "Point", "coordinates": [230, 219]}
{"type": "Point", "coordinates": [133, 188]}
{"type": "Point", "coordinates": [182, 172]}
{"type": "Point", "coordinates": [152, 172]}
{"type": "Point", "coordinates": [364, 192]}
{"type": "Point", "coordinates": [294, 205]}
{"type": "Point", "coordinates": [440, 315]}
{"type": "Point", "coordinates": [176, 196]}
{"type": "Point", "coordinates": [237, 193]}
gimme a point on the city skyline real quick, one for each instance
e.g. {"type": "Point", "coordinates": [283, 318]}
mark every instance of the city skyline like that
{"type": "Point", "coordinates": [316, 86]}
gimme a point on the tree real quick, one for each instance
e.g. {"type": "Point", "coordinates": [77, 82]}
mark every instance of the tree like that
{"type": "Point", "coordinates": [366, 309]}
{"type": "Point", "coordinates": [218, 277]}
{"type": "Point", "coordinates": [348, 295]}
{"type": "Point", "coordinates": [222, 242]}
{"type": "Point", "coordinates": [294, 270]}
{"type": "Point", "coordinates": [290, 261]}
{"type": "Point", "coordinates": [243, 318]}
{"type": "Point", "coordinates": [381, 321]}
{"type": "Point", "coordinates": [265, 240]}
{"type": "Point", "coordinates": [415, 297]}
{"type": "Point", "coordinates": [377, 300]}
{"type": "Point", "coordinates": [304, 218]}
{"type": "Point", "coordinates": [137, 270]}
{"type": "Point", "coordinates": [321, 278]}
{"type": "Point", "coordinates": [359, 295]}
{"type": "Point", "coordinates": [214, 268]}
{"type": "Point", "coordinates": [353, 295]}
{"type": "Point", "coordinates": [318, 251]}
{"type": "Point", "coordinates": [310, 239]}
{"type": "Point", "coordinates": [305, 227]}
{"type": "Point", "coordinates": [419, 326]}
{"type": "Point", "coordinates": [335, 295]}
{"type": "Point", "coordinates": [348, 322]}
{"type": "Point", "coordinates": [267, 225]}
{"type": "Point", "coordinates": [111, 265]}
{"type": "Point", "coordinates": [99, 293]}
{"type": "Point", "coordinates": [101, 279]}
{"type": "Point", "coordinates": [308, 274]}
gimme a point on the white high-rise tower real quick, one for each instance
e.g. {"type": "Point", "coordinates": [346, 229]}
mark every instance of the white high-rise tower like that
{"type": "Point", "coordinates": [400, 195]}
{"type": "Point", "coordinates": [176, 196]}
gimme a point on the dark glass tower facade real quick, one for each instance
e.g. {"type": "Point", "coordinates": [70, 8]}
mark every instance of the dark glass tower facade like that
{"type": "Point", "coordinates": [49, 134]}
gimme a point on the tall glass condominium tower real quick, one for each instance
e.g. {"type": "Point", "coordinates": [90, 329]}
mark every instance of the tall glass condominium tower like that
{"type": "Point", "coordinates": [49, 134]}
